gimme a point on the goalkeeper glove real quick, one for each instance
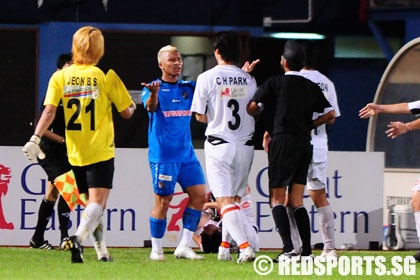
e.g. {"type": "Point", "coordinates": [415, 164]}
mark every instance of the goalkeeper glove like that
{"type": "Point", "coordinates": [32, 149]}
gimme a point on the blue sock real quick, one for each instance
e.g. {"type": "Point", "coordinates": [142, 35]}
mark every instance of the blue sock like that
{"type": "Point", "coordinates": [157, 227]}
{"type": "Point", "coordinates": [191, 218]}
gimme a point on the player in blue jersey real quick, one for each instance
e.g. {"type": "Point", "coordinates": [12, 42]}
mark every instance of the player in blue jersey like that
{"type": "Point", "coordinates": [171, 154]}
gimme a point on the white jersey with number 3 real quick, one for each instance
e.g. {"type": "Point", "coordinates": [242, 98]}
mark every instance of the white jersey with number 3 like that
{"type": "Point", "coordinates": [222, 93]}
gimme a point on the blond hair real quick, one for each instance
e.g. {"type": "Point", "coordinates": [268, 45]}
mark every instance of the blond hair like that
{"type": "Point", "coordinates": [167, 48]}
{"type": "Point", "coordinates": [88, 46]}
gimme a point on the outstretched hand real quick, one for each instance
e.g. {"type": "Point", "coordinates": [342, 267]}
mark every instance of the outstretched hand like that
{"type": "Point", "coordinates": [248, 67]}
{"type": "Point", "coordinates": [396, 129]}
{"type": "Point", "coordinates": [369, 110]}
{"type": "Point", "coordinates": [153, 87]}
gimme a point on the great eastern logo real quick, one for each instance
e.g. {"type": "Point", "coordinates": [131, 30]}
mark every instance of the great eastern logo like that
{"type": "Point", "coordinates": [177, 216]}
{"type": "Point", "coordinates": [5, 175]}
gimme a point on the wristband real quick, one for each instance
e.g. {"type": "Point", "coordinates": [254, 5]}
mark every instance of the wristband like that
{"type": "Point", "coordinates": [36, 139]}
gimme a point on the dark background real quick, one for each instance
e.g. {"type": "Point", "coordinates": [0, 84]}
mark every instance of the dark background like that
{"type": "Point", "coordinates": [131, 50]}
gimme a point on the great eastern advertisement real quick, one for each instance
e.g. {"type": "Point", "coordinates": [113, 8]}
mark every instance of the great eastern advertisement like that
{"type": "Point", "coordinates": [355, 191]}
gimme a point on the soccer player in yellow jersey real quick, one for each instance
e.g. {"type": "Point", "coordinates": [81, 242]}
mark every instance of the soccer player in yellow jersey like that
{"type": "Point", "coordinates": [87, 94]}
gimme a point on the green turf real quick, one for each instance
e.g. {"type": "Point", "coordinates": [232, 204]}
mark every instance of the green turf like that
{"type": "Point", "coordinates": [134, 263]}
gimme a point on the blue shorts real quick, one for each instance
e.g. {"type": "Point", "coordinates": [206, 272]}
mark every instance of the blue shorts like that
{"type": "Point", "coordinates": [166, 175]}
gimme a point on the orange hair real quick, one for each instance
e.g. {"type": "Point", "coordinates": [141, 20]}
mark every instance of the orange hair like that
{"type": "Point", "coordinates": [88, 46]}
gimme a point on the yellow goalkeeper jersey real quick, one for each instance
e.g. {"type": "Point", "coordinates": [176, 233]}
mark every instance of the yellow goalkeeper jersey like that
{"type": "Point", "coordinates": [87, 95]}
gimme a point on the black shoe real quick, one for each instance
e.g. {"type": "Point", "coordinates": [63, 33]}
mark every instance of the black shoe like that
{"type": "Point", "coordinates": [417, 256]}
{"type": "Point", "coordinates": [105, 259]}
{"type": "Point", "coordinates": [75, 248]}
{"type": "Point", "coordinates": [64, 243]}
{"type": "Point", "coordinates": [292, 256]}
{"type": "Point", "coordinates": [44, 245]}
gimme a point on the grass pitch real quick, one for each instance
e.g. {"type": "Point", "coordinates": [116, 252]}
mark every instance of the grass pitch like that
{"type": "Point", "coordinates": [134, 263]}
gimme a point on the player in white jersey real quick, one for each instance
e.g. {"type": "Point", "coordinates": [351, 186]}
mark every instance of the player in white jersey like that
{"type": "Point", "coordinates": [220, 99]}
{"type": "Point", "coordinates": [210, 222]}
{"type": "Point", "coordinates": [317, 172]}
{"type": "Point", "coordinates": [395, 129]}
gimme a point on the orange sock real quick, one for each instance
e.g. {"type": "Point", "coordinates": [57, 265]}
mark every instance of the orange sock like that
{"type": "Point", "coordinates": [225, 244]}
{"type": "Point", "coordinates": [243, 246]}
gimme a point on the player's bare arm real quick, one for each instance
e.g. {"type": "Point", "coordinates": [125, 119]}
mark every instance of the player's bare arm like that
{"type": "Point", "coordinates": [54, 137]}
{"type": "Point", "coordinates": [369, 110]}
{"type": "Point", "coordinates": [266, 141]}
{"type": "Point", "coordinates": [129, 111]}
{"type": "Point", "coordinates": [248, 67]}
{"type": "Point", "coordinates": [328, 118]}
{"type": "Point", "coordinates": [208, 205]}
{"type": "Point", "coordinates": [201, 117]}
{"type": "Point", "coordinates": [46, 119]}
{"type": "Point", "coordinates": [152, 101]}
{"type": "Point", "coordinates": [372, 109]}
{"type": "Point", "coordinates": [253, 109]}
{"type": "Point", "coordinates": [398, 128]}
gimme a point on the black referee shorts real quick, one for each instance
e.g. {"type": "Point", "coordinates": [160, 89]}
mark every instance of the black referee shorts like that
{"type": "Point", "coordinates": [289, 157]}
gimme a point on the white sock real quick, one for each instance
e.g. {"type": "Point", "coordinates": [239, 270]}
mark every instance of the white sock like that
{"type": "Point", "coordinates": [326, 223]}
{"type": "Point", "coordinates": [226, 237]}
{"type": "Point", "coordinates": [98, 240]}
{"type": "Point", "coordinates": [294, 232]}
{"type": "Point", "coordinates": [186, 238]}
{"type": "Point", "coordinates": [232, 222]}
{"type": "Point", "coordinates": [241, 213]}
{"type": "Point", "coordinates": [156, 244]}
{"type": "Point", "coordinates": [252, 236]}
{"type": "Point", "coordinates": [90, 219]}
{"type": "Point", "coordinates": [223, 250]}
{"type": "Point", "coordinates": [226, 241]}
{"type": "Point", "coordinates": [417, 219]}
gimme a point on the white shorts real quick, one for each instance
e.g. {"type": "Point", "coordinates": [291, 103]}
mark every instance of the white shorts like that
{"type": "Point", "coordinates": [227, 168]}
{"type": "Point", "coordinates": [317, 176]}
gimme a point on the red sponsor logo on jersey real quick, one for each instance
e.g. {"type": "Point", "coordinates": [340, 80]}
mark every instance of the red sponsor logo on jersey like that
{"type": "Point", "coordinates": [5, 175]}
{"type": "Point", "coordinates": [225, 93]}
{"type": "Point", "coordinates": [177, 113]}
